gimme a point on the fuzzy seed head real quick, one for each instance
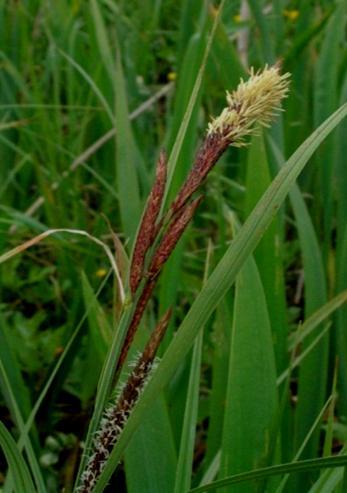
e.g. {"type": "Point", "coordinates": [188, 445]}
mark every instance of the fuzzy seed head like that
{"type": "Point", "coordinates": [258, 100]}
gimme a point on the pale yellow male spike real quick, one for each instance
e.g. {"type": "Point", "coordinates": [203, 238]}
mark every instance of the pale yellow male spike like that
{"type": "Point", "coordinates": [258, 100]}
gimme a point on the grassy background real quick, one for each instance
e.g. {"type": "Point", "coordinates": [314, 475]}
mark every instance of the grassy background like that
{"type": "Point", "coordinates": [80, 130]}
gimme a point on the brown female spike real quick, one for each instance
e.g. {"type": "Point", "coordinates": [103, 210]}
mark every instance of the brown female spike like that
{"type": "Point", "coordinates": [147, 230]}
{"type": "Point", "coordinates": [174, 232]}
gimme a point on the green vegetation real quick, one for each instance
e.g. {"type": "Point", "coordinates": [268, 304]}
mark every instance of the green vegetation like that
{"type": "Point", "coordinates": [248, 393]}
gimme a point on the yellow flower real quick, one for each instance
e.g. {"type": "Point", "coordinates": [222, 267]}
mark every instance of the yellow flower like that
{"type": "Point", "coordinates": [292, 15]}
{"type": "Point", "coordinates": [257, 100]}
{"type": "Point", "coordinates": [237, 18]}
{"type": "Point", "coordinates": [171, 76]}
{"type": "Point", "coordinates": [101, 273]}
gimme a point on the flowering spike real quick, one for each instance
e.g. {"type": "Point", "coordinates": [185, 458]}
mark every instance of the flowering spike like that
{"type": "Point", "coordinates": [210, 151]}
{"type": "Point", "coordinates": [175, 230]}
{"type": "Point", "coordinates": [147, 230]}
{"type": "Point", "coordinates": [156, 337]}
{"type": "Point", "coordinates": [118, 413]}
{"type": "Point", "coordinates": [171, 237]}
{"type": "Point", "coordinates": [135, 321]}
{"type": "Point", "coordinates": [257, 100]}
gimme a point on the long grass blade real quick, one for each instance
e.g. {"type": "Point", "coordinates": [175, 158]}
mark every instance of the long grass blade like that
{"type": "Point", "coordinates": [251, 397]}
{"type": "Point", "coordinates": [21, 477]}
{"type": "Point", "coordinates": [300, 466]}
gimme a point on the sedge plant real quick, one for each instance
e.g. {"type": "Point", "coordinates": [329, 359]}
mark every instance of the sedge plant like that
{"type": "Point", "coordinates": [255, 101]}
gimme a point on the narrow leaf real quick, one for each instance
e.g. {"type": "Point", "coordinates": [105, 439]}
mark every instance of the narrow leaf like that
{"type": "Point", "coordinates": [21, 478]}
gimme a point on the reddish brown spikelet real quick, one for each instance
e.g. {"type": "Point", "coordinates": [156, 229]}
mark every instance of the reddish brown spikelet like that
{"type": "Point", "coordinates": [143, 366]}
{"type": "Point", "coordinates": [166, 246]}
{"type": "Point", "coordinates": [210, 151]}
{"type": "Point", "coordinates": [138, 375]}
{"type": "Point", "coordinates": [156, 337]}
{"type": "Point", "coordinates": [139, 310]}
{"type": "Point", "coordinates": [174, 232]}
{"type": "Point", "coordinates": [147, 230]}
